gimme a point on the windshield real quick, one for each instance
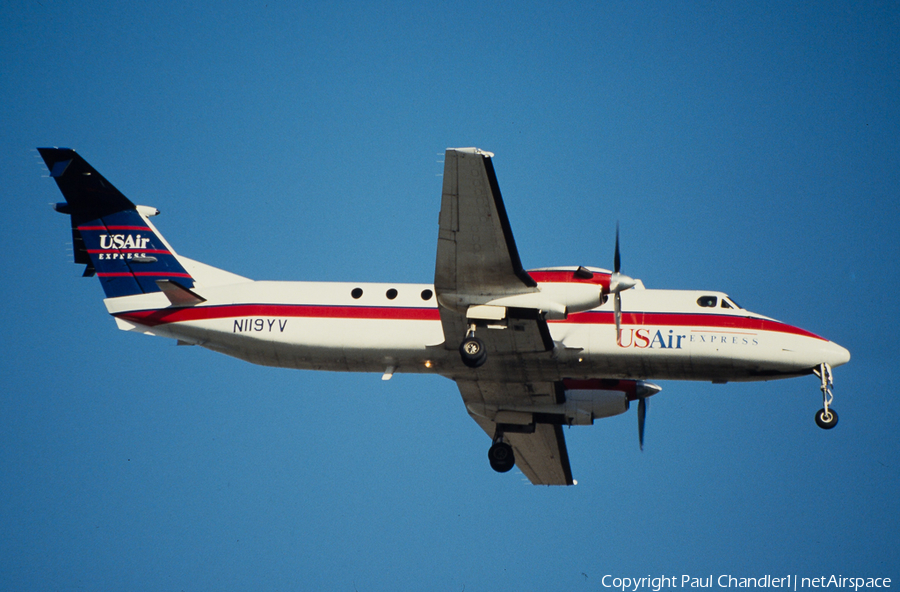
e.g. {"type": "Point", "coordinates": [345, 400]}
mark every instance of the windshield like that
{"type": "Point", "coordinates": [731, 301]}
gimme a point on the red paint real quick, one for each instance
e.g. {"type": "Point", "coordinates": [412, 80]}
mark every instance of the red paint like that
{"type": "Point", "coordinates": [644, 339]}
{"type": "Point", "coordinates": [198, 313]}
{"type": "Point", "coordinates": [143, 274]}
{"type": "Point", "coordinates": [154, 251]}
{"type": "Point", "coordinates": [700, 321]}
{"type": "Point", "coordinates": [569, 277]}
{"type": "Point", "coordinates": [151, 318]}
{"type": "Point", "coordinates": [114, 228]}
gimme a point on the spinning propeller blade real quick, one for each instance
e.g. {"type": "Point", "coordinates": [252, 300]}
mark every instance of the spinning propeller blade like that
{"type": "Point", "coordinates": [618, 282]}
{"type": "Point", "coordinates": [617, 260]}
{"type": "Point", "coordinates": [617, 305]}
{"type": "Point", "coordinates": [642, 416]}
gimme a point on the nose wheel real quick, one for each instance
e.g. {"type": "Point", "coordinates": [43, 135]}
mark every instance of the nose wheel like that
{"type": "Point", "coordinates": [826, 418]}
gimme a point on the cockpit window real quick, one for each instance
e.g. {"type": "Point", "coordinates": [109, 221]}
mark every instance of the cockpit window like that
{"type": "Point", "coordinates": [707, 301]}
{"type": "Point", "coordinates": [733, 303]}
{"type": "Point", "coordinates": [726, 304]}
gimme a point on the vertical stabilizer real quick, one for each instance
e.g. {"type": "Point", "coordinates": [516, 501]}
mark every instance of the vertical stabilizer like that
{"type": "Point", "coordinates": [110, 235]}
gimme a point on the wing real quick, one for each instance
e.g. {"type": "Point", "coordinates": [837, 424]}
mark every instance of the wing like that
{"type": "Point", "coordinates": [539, 448]}
{"type": "Point", "coordinates": [476, 252]}
{"type": "Point", "coordinates": [477, 255]}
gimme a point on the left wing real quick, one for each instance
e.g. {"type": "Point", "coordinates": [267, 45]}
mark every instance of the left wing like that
{"type": "Point", "coordinates": [539, 447]}
{"type": "Point", "coordinates": [477, 257]}
{"type": "Point", "coordinates": [476, 252]}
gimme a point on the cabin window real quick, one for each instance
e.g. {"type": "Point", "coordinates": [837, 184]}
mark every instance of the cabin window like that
{"type": "Point", "coordinates": [356, 293]}
{"type": "Point", "coordinates": [427, 294]}
{"type": "Point", "coordinates": [391, 294]}
{"type": "Point", "coordinates": [707, 301]}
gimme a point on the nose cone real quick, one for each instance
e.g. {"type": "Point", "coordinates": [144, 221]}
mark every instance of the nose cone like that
{"type": "Point", "coordinates": [836, 355]}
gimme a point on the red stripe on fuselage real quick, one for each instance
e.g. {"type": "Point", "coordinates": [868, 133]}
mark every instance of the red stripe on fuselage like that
{"type": "Point", "coordinates": [202, 313]}
{"type": "Point", "coordinates": [152, 318]}
{"type": "Point", "coordinates": [701, 321]}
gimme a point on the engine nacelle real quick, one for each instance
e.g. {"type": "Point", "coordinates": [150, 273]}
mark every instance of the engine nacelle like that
{"type": "Point", "coordinates": [554, 300]}
{"type": "Point", "coordinates": [584, 406]}
{"type": "Point", "coordinates": [586, 400]}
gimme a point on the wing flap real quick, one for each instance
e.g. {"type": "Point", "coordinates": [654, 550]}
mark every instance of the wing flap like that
{"type": "Point", "coordinates": [526, 332]}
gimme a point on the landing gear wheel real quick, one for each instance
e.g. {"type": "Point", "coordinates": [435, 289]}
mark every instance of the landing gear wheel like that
{"type": "Point", "coordinates": [473, 352]}
{"type": "Point", "coordinates": [826, 418]}
{"type": "Point", "coordinates": [501, 457]}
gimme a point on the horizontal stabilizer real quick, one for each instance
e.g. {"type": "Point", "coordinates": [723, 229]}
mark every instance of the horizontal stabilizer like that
{"type": "Point", "coordinates": [88, 194]}
{"type": "Point", "coordinates": [178, 295]}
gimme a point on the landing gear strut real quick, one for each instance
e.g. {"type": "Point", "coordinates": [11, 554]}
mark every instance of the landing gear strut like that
{"type": "Point", "coordinates": [472, 350]}
{"type": "Point", "coordinates": [826, 418]}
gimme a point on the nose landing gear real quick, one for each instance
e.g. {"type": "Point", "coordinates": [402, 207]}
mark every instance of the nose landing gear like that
{"type": "Point", "coordinates": [826, 418]}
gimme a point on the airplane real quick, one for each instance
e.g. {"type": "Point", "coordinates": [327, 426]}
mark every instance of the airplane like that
{"type": "Point", "coordinates": [531, 351]}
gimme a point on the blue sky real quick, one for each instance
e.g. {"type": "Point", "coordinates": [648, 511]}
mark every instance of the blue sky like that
{"type": "Point", "coordinates": [751, 149]}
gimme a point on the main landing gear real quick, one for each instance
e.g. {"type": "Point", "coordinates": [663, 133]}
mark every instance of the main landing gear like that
{"type": "Point", "coordinates": [501, 455]}
{"type": "Point", "coordinates": [826, 418]}
{"type": "Point", "coordinates": [473, 352]}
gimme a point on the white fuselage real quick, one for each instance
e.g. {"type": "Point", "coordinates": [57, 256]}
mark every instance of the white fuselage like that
{"type": "Point", "coordinates": [367, 327]}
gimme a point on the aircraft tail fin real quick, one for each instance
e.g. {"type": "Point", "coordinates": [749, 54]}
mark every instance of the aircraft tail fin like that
{"type": "Point", "coordinates": [112, 236]}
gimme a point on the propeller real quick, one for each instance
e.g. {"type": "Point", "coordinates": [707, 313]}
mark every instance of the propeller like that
{"type": "Point", "coordinates": [642, 416]}
{"type": "Point", "coordinates": [643, 391]}
{"type": "Point", "coordinates": [617, 283]}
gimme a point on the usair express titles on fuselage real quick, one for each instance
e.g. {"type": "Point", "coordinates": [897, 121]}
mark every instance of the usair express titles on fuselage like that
{"type": "Point", "coordinates": [644, 338]}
